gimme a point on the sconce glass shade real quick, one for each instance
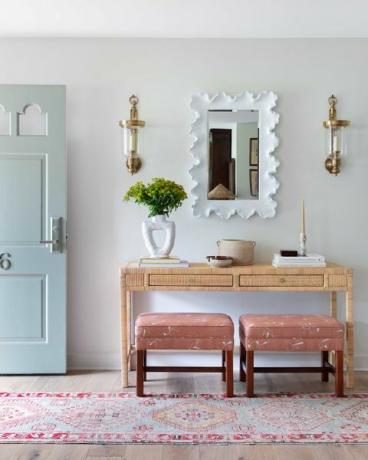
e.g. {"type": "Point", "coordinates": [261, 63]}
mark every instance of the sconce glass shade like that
{"type": "Point", "coordinates": [130, 141]}
{"type": "Point", "coordinates": [336, 140]}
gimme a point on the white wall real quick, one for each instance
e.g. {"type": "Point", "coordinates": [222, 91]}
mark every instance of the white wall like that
{"type": "Point", "coordinates": [189, 18]}
{"type": "Point", "coordinates": [102, 73]}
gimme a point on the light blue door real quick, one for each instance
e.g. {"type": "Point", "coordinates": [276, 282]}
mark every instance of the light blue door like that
{"type": "Point", "coordinates": [32, 213]}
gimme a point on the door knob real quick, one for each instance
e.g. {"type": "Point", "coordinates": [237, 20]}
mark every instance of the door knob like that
{"type": "Point", "coordinates": [56, 241]}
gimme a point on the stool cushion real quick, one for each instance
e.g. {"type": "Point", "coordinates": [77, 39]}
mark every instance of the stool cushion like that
{"type": "Point", "coordinates": [184, 331]}
{"type": "Point", "coordinates": [291, 333]}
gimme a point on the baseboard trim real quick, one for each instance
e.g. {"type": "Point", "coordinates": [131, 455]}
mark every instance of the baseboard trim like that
{"type": "Point", "coordinates": [94, 361]}
{"type": "Point", "coordinates": [111, 361]}
{"type": "Point", "coordinates": [361, 363]}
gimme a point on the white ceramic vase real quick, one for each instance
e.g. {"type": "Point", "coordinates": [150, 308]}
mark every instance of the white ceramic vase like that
{"type": "Point", "coordinates": [158, 223]}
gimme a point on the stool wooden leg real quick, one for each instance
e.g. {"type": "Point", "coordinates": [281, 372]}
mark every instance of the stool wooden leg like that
{"type": "Point", "coordinates": [229, 374]}
{"type": "Point", "coordinates": [242, 361]}
{"type": "Point", "coordinates": [223, 366]}
{"type": "Point", "coordinates": [339, 373]}
{"type": "Point", "coordinates": [145, 364]}
{"type": "Point", "coordinates": [324, 360]}
{"type": "Point", "coordinates": [249, 385]}
{"type": "Point", "coordinates": [140, 378]}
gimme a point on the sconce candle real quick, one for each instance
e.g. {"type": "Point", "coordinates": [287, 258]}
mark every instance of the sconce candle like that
{"type": "Point", "coordinates": [335, 138]}
{"type": "Point", "coordinates": [130, 127]}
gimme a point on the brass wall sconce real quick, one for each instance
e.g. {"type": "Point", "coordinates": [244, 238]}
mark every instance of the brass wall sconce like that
{"type": "Point", "coordinates": [335, 138]}
{"type": "Point", "coordinates": [130, 129]}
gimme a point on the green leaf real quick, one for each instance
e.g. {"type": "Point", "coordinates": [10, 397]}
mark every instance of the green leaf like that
{"type": "Point", "coordinates": [160, 196]}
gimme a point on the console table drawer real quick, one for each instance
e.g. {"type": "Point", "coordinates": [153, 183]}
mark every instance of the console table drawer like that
{"type": "Point", "coordinates": [191, 280]}
{"type": "Point", "coordinates": [281, 280]}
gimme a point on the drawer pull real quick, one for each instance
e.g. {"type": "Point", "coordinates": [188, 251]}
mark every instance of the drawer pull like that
{"type": "Point", "coordinates": [282, 280]}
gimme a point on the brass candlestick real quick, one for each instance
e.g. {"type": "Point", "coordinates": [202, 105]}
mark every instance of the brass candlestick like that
{"type": "Point", "coordinates": [131, 126]}
{"type": "Point", "coordinates": [303, 236]}
{"type": "Point", "coordinates": [335, 138]}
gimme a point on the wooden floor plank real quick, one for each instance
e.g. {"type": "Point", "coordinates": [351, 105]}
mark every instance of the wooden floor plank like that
{"type": "Point", "coordinates": [106, 451]}
{"type": "Point", "coordinates": [10, 451]}
{"type": "Point", "coordinates": [144, 453]}
{"type": "Point", "coordinates": [330, 452]}
{"type": "Point", "coordinates": [180, 453]}
{"type": "Point", "coordinates": [355, 452]}
{"type": "Point", "coordinates": [217, 453]}
{"type": "Point", "coordinates": [105, 458]}
{"type": "Point", "coordinates": [41, 452]}
{"type": "Point", "coordinates": [294, 452]}
{"type": "Point", "coordinates": [238, 452]}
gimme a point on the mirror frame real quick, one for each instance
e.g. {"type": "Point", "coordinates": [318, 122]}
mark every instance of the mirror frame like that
{"type": "Point", "coordinates": [264, 103]}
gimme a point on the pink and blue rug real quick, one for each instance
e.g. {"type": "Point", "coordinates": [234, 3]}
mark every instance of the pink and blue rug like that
{"type": "Point", "coordinates": [121, 418]}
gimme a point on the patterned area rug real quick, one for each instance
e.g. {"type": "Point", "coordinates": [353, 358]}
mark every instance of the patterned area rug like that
{"type": "Point", "coordinates": [108, 418]}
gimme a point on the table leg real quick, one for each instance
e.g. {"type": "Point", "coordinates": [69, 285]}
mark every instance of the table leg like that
{"type": "Point", "coordinates": [129, 328]}
{"type": "Point", "coordinates": [333, 313]}
{"type": "Point", "coordinates": [349, 332]}
{"type": "Point", "coordinates": [333, 304]}
{"type": "Point", "coordinates": [249, 382]}
{"type": "Point", "coordinates": [124, 334]}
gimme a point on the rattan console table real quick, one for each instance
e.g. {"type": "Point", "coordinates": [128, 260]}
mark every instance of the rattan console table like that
{"type": "Point", "coordinates": [261, 278]}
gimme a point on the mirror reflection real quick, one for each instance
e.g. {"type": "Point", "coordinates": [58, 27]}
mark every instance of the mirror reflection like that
{"type": "Point", "coordinates": [233, 155]}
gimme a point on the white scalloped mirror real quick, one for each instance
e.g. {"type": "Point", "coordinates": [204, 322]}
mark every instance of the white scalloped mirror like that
{"type": "Point", "coordinates": [233, 154]}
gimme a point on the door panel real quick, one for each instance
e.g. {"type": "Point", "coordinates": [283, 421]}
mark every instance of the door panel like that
{"type": "Point", "coordinates": [23, 320]}
{"type": "Point", "coordinates": [32, 191]}
{"type": "Point", "coordinates": [4, 122]}
{"type": "Point", "coordinates": [32, 121]}
{"type": "Point", "coordinates": [22, 198]}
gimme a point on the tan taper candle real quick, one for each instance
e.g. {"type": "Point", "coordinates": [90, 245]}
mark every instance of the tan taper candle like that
{"type": "Point", "coordinates": [303, 218]}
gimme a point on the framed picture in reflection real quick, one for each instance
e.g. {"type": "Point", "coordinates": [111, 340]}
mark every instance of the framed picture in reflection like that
{"type": "Point", "coordinates": [253, 151]}
{"type": "Point", "coordinates": [253, 182]}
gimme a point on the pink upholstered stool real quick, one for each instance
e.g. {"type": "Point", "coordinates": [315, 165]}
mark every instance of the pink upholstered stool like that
{"type": "Point", "coordinates": [184, 331]}
{"type": "Point", "coordinates": [291, 333]}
